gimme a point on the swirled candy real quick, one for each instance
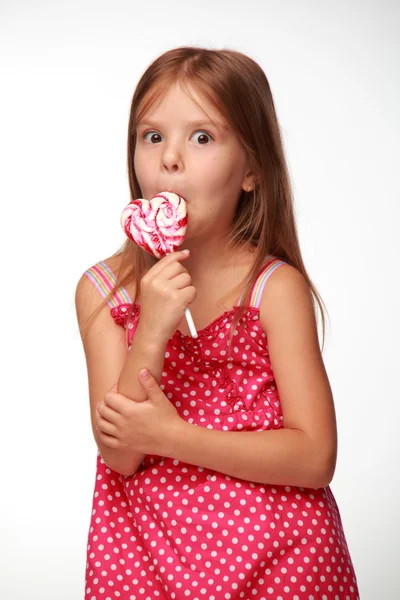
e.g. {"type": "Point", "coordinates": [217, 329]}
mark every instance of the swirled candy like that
{"type": "Point", "coordinates": [157, 225]}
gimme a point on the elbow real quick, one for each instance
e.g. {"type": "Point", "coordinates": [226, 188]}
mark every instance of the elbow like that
{"type": "Point", "coordinates": [119, 467]}
{"type": "Point", "coordinates": [120, 470]}
{"type": "Point", "coordinates": [322, 463]}
{"type": "Point", "coordinates": [322, 478]}
{"type": "Point", "coordinates": [324, 469]}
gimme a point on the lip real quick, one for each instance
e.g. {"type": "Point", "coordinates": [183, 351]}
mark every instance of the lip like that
{"type": "Point", "coordinates": [173, 192]}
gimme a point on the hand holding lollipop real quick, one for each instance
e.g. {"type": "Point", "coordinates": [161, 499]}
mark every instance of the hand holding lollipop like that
{"type": "Point", "coordinates": [159, 227]}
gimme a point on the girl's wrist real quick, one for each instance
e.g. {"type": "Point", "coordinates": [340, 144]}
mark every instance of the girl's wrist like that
{"type": "Point", "coordinates": [150, 335]}
{"type": "Point", "coordinates": [173, 440]}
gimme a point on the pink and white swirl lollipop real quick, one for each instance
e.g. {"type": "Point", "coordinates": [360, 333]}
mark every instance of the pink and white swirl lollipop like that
{"type": "Point", "coordinates": [159, 227]}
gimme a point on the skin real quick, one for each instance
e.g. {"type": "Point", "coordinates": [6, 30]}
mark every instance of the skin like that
{"type": "Point", "coordinates": [204, 162]}
{"type": "Point", "coordinates": [210, 176]}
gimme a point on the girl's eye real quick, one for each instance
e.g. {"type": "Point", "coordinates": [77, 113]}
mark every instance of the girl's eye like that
{"type": "Point", "coordinates": [203, 137]}
{"type": "Point", "coordinates": [153, 134]}
{"type": "Point", "coordinates": [155, 137]}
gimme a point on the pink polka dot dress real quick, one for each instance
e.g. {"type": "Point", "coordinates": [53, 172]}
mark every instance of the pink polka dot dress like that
{"type": "Point", "coordinates": [179, 531]}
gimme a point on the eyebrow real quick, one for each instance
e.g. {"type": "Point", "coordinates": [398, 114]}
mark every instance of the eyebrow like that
{"type": "Point", "coordinates": [197, 123]}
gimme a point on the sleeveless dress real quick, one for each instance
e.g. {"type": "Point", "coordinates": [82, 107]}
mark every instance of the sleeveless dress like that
{"type": "Point", "coordinates": [178, 531]}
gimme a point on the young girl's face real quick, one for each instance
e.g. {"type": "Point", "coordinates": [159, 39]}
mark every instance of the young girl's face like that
{"type": "Point", "coordinates": [190, 149]}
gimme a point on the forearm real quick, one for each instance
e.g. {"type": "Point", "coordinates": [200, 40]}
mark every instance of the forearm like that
{"type": "Point", "coordinates": [145, 352]}
{"type": "Point", "coordinates": [276, 457]}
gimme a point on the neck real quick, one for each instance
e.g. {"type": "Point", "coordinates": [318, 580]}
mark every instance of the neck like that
{"type": "Point", "coordinates": [212, 258]}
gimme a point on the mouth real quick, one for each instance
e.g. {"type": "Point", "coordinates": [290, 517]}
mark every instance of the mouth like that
{"type": "Point", "coordinates": [173, 192]}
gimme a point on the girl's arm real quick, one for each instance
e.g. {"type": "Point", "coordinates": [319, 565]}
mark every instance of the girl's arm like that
{"type": "Point", "coordinates": [108, 361]}
{"type": "Point", "coordinates": [304, 452]}
{"type": "Point", "coordinates": [146, 351]}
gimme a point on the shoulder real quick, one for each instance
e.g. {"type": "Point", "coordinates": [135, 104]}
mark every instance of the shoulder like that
{"type": "Point", "coordinates": [287, 301]}
{"type": "Point", "coordinates": [87, 303]}
{"type": "Point", "coordinates": [88, 298]}
{"type": "Point", "coordinates": [111, 265]}
{"type": "Point", "coordinates": [85, 290]}
{"type": "Point", "coordinates": [288, 318]}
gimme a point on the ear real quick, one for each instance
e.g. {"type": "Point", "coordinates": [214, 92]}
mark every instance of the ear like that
{"type": "Point", "coordinates": [250, 181]}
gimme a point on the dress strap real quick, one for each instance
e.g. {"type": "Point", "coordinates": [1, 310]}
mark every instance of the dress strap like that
{"type": "Point", "coordinates": [271, 263]}
{"type": "Point", "coordinates": [104, 279]}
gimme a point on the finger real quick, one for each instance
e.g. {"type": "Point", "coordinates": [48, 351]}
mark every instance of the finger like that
{"type": "Point", "coordinates": [169, 258]}
{"type": "Point", "coordinates": [149, 384]}
{"type": "Point", "coordinates": [109, 440]}
{"type": "Point", "coordinates": [117, 402]}
{"type": "Point", "coordinates": [182, 281]}
{"type": "Point", "coordinates": [108, 413]}
{"type": "Point", "coordinates": [106, 427]}
{"type": "Point", "coordinates": [190, 294]}
{"type": "Point", "coordinates": [172, 270]}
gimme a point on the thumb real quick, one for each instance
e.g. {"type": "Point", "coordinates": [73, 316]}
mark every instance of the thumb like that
{"type": "Point", "coordinates": [148, 382]}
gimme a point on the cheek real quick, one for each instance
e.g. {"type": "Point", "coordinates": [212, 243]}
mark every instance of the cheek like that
{"type": "Point", "coordinates": [144, 170]}
{"type": "Point", "coordinates": [139, 165]}
{"type": "Point", "coordinates": [222, 180]}
{"type": "Point", "coordinates": [225, 169]}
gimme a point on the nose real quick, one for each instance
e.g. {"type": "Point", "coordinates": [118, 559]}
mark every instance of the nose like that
{"type": "Point", "coordinates": [172, 158]}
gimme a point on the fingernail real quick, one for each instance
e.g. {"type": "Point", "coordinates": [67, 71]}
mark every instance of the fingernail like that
{"type": "Point", "coordinates": [144, 373]}
{"type": "Point", "coordinates": [186, 251]}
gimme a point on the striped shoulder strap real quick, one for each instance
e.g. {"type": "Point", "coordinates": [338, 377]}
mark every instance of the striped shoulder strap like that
{"type": "Point", "coordinates": [269, 267]}
{"type": "Point", "coordinates": [104, 280]}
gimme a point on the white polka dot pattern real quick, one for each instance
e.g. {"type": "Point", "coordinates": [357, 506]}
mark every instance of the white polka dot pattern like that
{"type": "Point", "coordinates": [179, 531]}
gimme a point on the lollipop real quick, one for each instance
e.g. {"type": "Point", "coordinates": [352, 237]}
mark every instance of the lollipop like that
{"type": "Point", "coordinates": [158, 226]}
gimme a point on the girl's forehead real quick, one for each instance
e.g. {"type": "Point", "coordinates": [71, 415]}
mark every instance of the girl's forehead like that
{"type": "Point", "coordinates": [203, 98]}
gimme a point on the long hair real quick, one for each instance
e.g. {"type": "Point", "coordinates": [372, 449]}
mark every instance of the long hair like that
{"type": "Point", "coordinates": [238, 87]}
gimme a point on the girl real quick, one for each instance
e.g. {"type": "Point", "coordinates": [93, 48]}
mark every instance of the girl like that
{"type": "Point", "coordinates": [213, 471]}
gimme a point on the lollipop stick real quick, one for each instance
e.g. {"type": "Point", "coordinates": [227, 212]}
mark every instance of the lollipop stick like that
{"type": "Point", "coordinates": [190, 323]}
{"type": "Point", "coordinates": [140, 221]}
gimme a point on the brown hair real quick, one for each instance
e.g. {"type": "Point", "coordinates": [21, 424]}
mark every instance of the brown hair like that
{"type": "Point", "coordinates": [265, 217]}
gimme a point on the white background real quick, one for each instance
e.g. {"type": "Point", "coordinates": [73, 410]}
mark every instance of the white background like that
{"type": "Point", "coordinates": [68, 74]}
